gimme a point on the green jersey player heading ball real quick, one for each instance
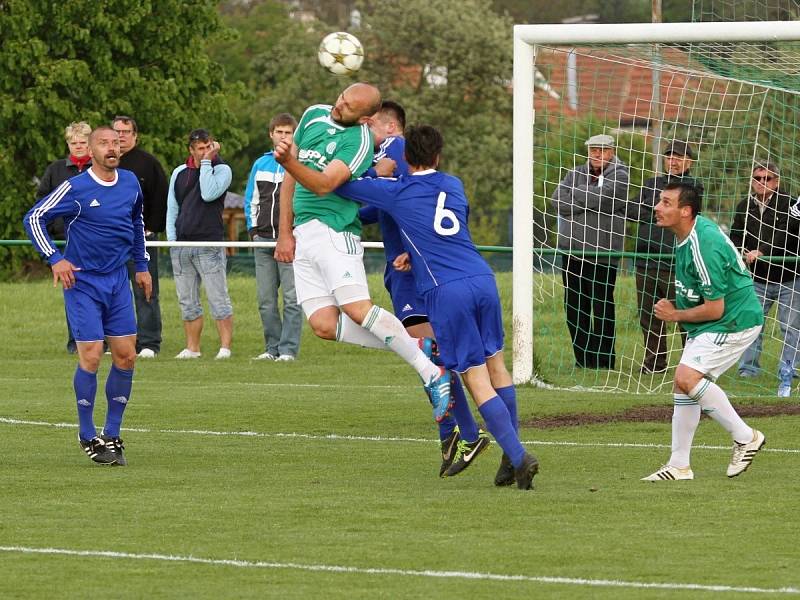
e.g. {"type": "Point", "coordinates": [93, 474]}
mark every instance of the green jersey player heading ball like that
{"type": "Point", "coordinates": [716, 305]}
{"type": "Point", "coordinates": [320, 231]}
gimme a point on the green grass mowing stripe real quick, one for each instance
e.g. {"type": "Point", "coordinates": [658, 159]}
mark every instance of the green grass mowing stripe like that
{"type": "Point", "coordinates": [472, 575]}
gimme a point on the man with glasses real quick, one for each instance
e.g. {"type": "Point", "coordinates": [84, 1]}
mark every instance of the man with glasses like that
{"type": "Point", "coordinates": [764, 226]}
{"type": "Point", "coordinates": [153, 182]}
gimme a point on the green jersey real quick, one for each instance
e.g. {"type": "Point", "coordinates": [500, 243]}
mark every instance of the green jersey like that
{"type": "Point", "coordinates": [708, 267]}
{"type": "Point", "coordinates": [320, 140]}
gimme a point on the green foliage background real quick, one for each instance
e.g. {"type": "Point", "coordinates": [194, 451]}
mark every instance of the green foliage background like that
{"type": "Point", "coordinates": [74, 60]}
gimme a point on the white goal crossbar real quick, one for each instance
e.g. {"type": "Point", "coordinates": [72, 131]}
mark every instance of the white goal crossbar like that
{"type": "Point", "coordinates": [526, 38]}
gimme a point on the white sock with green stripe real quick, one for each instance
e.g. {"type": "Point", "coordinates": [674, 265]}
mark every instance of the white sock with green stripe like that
{"type": "Point", "coordinates": [685, 417]}
{"type": "Point", "coordinates": [390, 331]}
{"type": "Point", "coordinates": [350, 332]}
{"type": "Point", "coordinates": [714, 402]}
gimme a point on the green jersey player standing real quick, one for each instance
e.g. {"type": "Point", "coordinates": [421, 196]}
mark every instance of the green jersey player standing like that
{"type": "Point", "coordinates": [320, 232]}
{"type": "Point", "coordinates": [721, 314]}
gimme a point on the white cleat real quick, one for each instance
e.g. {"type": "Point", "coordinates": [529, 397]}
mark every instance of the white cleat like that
{"type": "Point", "coordinates": [187, 354]}
{"type": "Point", "coordinates": [223, 354]}
{"type": "Point", "coordinates": [285, 358]}
{"type": "Point", "coordinates": [670, 473]}
{"type": "Point", "coordinates": [265, 356]}
{"type": "Point", "coordinates": [147, 353]}
{"type": "Point", "coordinates": [743, 454]}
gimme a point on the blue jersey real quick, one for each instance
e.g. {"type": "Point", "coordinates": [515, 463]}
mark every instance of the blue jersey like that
{"type": "Point", "coordinates": [394, 148]}
{"type": "Point", "coordinates": [432, 212]}
{"type": "Point", "coordinates": [103, 222]}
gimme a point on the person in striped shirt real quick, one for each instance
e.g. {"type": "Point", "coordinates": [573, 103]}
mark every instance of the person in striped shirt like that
{"type": "Point", "coordinates": [717, 307]}
{"type": "Point", "coordinates": [320, 231]}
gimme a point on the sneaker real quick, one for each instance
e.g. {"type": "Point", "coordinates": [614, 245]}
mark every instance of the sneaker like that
{"type": "Point", "coordinates": [115, 444]}
{"type": "Point", "coordinates": [439, 393]}
{"type": "Point", "coordinates": [747, 374]}
{"type": "Point", "coordinates": [467, 452]}
{"type": "Point", "coordinates": [505, 474]}
{"type": "Point", "coordinates": [525, 473]}
{"type": "Point", "coordinates": [223, 354]}
{"type": "Point", "coordinates": [97, 450]}
{"type": "Point", "coordinates": [431, 350]}
{"type": "Point", "coordinates": [670, 473]}
{"type": "Point", "coordinates": [743, 454]}
{"type": "Point", "coordinates": [187, 354]}
{"type": "Point", "coordinates": [449, 449]}
{"type": "Point", "coordinates": [147, 353]}
{"type": "Point", "coordinates": [784, 390]}
{"type": "Point", "coordinates": [265, 356]}
{"type": "Point", "coordinates": [285, 358]}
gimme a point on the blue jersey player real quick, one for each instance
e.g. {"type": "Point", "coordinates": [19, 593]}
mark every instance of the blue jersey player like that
{"type": "Point", "coordinates": [458, 286]}
{"type": "Point", "coordinates": [102, 212]}
{"type": "Point", "coordinates": [460, 439]}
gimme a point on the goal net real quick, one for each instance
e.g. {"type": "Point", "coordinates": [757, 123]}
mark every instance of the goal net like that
{"type": "Point", "coordinates": [722, 98]}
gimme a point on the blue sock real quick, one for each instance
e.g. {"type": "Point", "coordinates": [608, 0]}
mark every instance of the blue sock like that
{"type": "Point", "coordinates": [509, 397]}
{"type": "Point", "coordinates": [118, 392]}
{"type": "Point", "coordinates": [498, 422]}
{"type": "Point", "coordinates": [85, 384]}
{"type": "Point", "coordinates": [446, 427]}
{"type": "Point", "coordinates": [463, 415]}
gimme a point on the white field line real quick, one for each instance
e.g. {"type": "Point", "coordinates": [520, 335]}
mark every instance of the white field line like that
{"type": "Point", "coordinates": [472, 575]}
{"type": "Point", "coordinates": [374, 438]}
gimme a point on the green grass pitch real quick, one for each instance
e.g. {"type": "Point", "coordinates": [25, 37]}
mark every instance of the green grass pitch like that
{"type": "Point", "coordinates": [319, 479]}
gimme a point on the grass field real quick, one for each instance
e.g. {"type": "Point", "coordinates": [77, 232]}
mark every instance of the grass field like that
{"type": "Point", "coordinates": [319, 479]}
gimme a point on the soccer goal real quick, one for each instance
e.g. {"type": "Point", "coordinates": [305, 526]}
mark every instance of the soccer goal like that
{"type": "Point", "coordinates": [730, 90]}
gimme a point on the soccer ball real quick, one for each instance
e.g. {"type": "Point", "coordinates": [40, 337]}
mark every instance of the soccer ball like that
{"type": "Point", "coordinates": [341, 53]}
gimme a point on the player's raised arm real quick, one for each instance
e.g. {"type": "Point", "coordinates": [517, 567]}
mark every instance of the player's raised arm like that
{"type": "Point", "coordinates": [318, 182]}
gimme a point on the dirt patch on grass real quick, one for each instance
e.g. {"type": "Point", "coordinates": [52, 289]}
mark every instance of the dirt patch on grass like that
{"type": "Point", "coordinates": [642, 414]}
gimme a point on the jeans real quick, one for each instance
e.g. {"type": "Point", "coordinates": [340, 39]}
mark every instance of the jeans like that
{"type": "Point", "coordinates": [148, 314]}
{"type": "Point", "coordinates": [281, 336]}
{"type": "Point", "coordinates": [787, 295]}
{"type": "Point", "coordinates": [190, 266]}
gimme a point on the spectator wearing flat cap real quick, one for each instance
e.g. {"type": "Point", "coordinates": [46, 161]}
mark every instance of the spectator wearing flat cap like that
{"type": "Point", "coordinates": [656, 246]}
{"type": "Point", "coordinates": [590, 202]}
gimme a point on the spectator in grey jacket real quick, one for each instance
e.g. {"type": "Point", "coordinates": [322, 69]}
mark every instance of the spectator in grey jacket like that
{"type": "Point", "coordinates": [654, 275]}
{"type": "Point", "coordinates": [590, 202]}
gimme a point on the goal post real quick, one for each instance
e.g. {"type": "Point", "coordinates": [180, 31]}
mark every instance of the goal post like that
{"type": "Point", "coordinates": [527, 40]}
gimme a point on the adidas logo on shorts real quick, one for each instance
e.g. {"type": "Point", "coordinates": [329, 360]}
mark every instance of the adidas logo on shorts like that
{"type": "Point", "coordinates": [407, 308]}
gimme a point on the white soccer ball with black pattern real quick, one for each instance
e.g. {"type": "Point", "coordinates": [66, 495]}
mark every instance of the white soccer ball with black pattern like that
{"type": "Point", "coordinates": [341, 53]}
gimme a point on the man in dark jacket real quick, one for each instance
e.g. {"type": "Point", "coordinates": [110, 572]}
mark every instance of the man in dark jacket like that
{"type": "Point", "coordinates": [590, 202]}
{"type": "Point", "coordinates": [764, 226]}
{"type": "Point", "coordinates": [654, 276]}
{"type": "Point", "coordinates": [195, 201]}
{"type": "Point", "coordinates": [153, 182]}
{"type": "Point", "coordinates": [56, 173]}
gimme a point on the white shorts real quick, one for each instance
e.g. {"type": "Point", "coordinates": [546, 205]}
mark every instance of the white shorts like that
{"type": "Point", "coordinates": [714, 353]}
{"type": "Point", "coordinates": [326, 260]}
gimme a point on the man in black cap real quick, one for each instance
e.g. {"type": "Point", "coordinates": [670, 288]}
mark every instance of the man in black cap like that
{"type": "Point", "coordinates": [654, 276]}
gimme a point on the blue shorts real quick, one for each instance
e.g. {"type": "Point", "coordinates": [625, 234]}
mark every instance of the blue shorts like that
{"type": "Point", "coordinates": [403, 292]}
{"type": "Point", "coordinates": [99, 305]}
{"type": "Point", "coordinates": [468, 321]}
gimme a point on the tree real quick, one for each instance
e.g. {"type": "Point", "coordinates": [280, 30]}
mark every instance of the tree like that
{"type": "Point", "coordinates": [75, 60]}
{"type": "Point", "coordinates": [469, 47]}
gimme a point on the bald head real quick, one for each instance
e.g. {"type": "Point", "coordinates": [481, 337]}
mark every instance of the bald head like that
{"type": "Point", "coordinates": [356, 104]}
